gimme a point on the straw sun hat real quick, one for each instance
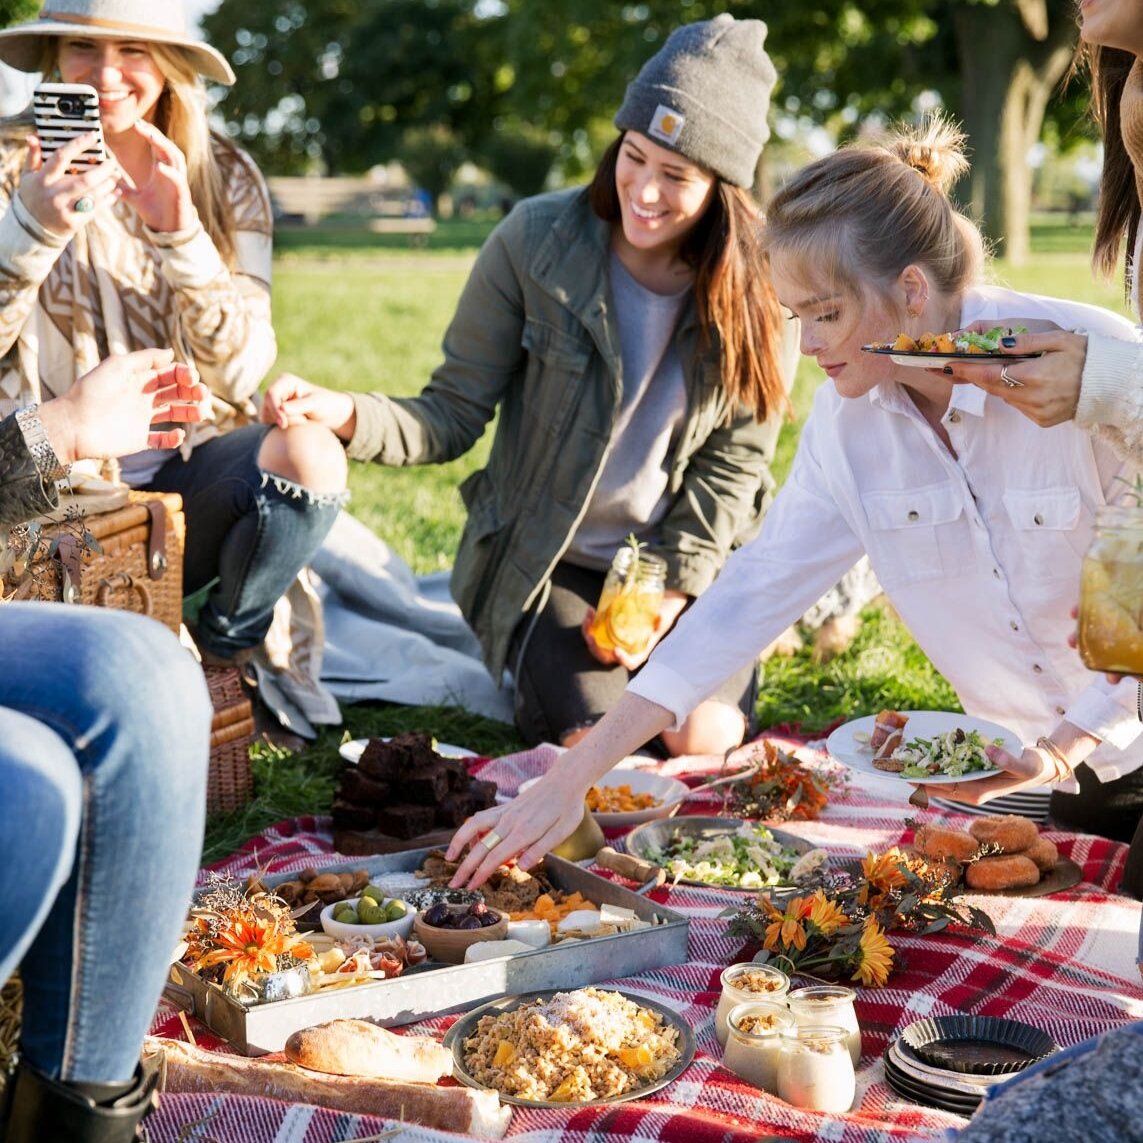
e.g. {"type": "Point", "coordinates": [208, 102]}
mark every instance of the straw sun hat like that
{"type": "Point", "coordinates": [148, 20]}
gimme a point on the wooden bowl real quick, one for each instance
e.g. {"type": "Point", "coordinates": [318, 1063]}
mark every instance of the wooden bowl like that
{"type": "Point", "coordinates": [450, 945]}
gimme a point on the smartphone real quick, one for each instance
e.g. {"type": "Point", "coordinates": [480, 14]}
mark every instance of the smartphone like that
{"type": "Point", "coordinates": [64, 111]}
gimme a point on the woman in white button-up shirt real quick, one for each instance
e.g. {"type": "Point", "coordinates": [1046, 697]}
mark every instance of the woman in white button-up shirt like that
{"type": "Point", "coordinates": [975, 519]}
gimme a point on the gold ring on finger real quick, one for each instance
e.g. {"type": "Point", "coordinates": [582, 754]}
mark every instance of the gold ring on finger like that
{"type": "Point", "coordinates": [491, 839]}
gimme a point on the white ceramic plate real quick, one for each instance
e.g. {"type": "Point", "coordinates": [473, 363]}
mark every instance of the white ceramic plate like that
{"type": "Point", "coordinates": [855, 753]}
{"type": "Point", "coordinates": [351, 751]}
{"type": "Point", "coordinates": [670, 793]}
{"type": "Point", "coordinates": [919, 359]}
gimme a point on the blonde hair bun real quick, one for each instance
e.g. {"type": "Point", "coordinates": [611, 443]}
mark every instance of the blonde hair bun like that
{"type": "Point", "coordinates": [935, 149]}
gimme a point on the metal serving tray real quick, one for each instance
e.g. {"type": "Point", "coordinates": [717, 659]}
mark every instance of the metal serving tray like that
{"type": "Point", "coordinates": [438, 989]}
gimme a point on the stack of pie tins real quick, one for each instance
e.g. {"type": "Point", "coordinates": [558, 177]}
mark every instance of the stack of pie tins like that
{"type": "Point", "coordinates": [949, 1062]}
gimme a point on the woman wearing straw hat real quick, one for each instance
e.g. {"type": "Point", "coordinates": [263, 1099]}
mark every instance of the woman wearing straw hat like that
{"type": "Point", "coordinates": [168, 243]}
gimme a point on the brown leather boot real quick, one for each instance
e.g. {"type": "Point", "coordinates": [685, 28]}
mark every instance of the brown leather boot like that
{"type": "Point", "coordinates": [38, 1109]}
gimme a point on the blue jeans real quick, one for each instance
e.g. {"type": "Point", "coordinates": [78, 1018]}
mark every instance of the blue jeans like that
{"type": "Point", "coordinates": [104, 743]}
{"type": "Point", "coordinates": [249, 530]}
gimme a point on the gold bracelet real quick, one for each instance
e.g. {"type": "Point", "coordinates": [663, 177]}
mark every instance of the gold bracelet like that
{"type": "Point", "coordinates": [1059, 759]}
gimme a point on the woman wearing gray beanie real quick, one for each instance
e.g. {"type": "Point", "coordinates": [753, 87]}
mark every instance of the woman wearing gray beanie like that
{"type": "Point", "coordinates": [631, 346]}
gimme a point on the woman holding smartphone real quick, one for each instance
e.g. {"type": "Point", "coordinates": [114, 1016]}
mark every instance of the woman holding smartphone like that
{"type": "Point", "coordinates": [167, 243]}
{"type": "Point", "coordinates": [633, 349]}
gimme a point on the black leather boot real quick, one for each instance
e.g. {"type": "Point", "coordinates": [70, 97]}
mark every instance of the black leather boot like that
{"type": "Point", "coordinates": [38, 1110]}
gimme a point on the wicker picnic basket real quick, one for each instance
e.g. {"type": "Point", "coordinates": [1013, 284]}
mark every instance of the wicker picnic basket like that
{"type": "Point", "coordinates": [229, 782]}
{"type": "Point", "coordinates": [135, 564]}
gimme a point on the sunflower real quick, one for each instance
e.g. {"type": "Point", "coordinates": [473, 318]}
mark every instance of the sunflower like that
{"type": "Point", "coordinates": [825, 915]}
{"type": "Point", "coordinates": [787, 929]}
{"type": "Point", "coordinates": [874, 956]}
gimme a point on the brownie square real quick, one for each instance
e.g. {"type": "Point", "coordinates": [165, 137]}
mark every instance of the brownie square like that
{"type": "Point", "coordinates": [405, 820]}
{"type": "Point", "coordinates": [425, 788]}
{"type": "Point", "coordinates": [456, 808]}
{"type": "Point", "coordinates": [358, 787]}
{"type": "Point", "coordinates": [484, 793]}
{"type": "Point", "coordinates": [348, 815]}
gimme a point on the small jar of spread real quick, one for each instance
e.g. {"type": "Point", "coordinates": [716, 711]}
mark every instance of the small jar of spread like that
{"type": "Point", "coordinates": [815, 1070]}
{"type": "Point", "coordinates": [746, 982]}
{"type": "Point", "coordinates": [754, 1042]}
{"type": "Point", "coordinates": [828, 1004]}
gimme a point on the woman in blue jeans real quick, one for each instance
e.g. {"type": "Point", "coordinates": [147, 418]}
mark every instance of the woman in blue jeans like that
{"type": "Point", "coordinates": [104, 742]}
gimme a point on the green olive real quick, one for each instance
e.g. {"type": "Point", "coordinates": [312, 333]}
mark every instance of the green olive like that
{"type": "Point", "coordinates": [370, 912]}
{"type": "Point", "coordinates": [346, 914]}
{"type": "Point", "coordinates": [395, 910]}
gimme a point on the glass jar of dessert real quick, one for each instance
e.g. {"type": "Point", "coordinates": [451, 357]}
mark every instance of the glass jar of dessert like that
{"type": "Point", "coordinates": [754, 1042]}
{"type": "Point", "coordinates": [746, 982]}
{"type": "Point", "coordinates": [828, 1004]}
{"type": "Point", "coordinates": [815, 1070]}
{"type": "Point", "coordinates": [1110, 630]}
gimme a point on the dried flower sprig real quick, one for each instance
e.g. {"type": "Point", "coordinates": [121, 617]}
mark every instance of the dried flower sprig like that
{"type": "Point", "coordinates": [837, 924]}
{"type": "Point", "coordinates": [233, 938]}
{"type": "Point", "coordinates": [780, 788]}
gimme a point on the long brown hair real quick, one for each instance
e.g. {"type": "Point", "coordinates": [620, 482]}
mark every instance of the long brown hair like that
{"type": "Point", "coordinates": [1117, 214]}
{"type": "Point", "coordinates": [737, 306]}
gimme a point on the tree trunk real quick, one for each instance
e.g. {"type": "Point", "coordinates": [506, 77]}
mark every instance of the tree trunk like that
{"type": "Point", "coordinates": [1008, 75]}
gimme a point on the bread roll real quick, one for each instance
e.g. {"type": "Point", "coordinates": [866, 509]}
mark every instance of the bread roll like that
{"type": "Point", "coordinates": [461, 1109]}
{"type": "Point", "coordinates": [359, 1048]}
{"type": "Point", "coordinates": [1044, 853]}
{"type": "Point", "coordinates": [1001, 872]}
{"type": "Point", "coordinates": [938, 843]}
{"type": "Point", "coordinates": [1010, 833]}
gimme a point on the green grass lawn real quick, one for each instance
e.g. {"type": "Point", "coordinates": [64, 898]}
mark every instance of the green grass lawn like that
{"type": "Point", "coordinates": [360, 311]}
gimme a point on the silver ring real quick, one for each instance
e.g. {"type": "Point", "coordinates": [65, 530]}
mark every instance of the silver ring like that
{"type": "Point", "coordinates": [83, 205]}
{"type": "Point", "coordinates": [1009, 380]}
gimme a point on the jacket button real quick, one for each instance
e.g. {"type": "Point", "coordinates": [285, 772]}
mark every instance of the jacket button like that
{"type": "Point", "coordinates": [1037, 519]}
{"type": "Point", "coordinates": [914, 515]}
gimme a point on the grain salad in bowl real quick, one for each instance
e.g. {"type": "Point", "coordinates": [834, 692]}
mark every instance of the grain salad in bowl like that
{"type": "Point", "coordinates": [585, 1046]}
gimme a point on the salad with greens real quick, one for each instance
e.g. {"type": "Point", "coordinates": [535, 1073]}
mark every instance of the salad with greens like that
{"type": "Point", "coordinates": [987, 342]}
{"type": "Point", "coordinates": [749, 858]}
{"type": "Point", "coordinates": [954, 753]}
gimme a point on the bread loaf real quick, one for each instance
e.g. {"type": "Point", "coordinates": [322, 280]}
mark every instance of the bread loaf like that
{"type": "Point", "coordinates": [459, 1109]}
{"type": "Point", "coordinates": [359, 1048]}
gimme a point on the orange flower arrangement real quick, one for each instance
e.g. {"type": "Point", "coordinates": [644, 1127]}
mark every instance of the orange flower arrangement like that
{"type": "Point", "coordinates": [837, 927]}
{"type": "Point", "coordinates": [235, 939]}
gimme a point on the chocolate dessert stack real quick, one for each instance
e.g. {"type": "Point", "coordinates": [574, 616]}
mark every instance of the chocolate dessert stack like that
{"type": "Point", "coordinates": [402, 794]}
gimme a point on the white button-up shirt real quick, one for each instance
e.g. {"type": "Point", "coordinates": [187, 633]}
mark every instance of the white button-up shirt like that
{"type": "Point", "coordinates": [979, 552]}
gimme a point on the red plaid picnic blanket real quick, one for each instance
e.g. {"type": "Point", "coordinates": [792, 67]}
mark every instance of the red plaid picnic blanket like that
{"type": "Point", "coordinates": [1063, 963]}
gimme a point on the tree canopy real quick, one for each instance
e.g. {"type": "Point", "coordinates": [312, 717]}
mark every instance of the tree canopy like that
{"type": "Point", "coordinates": [339, 81]}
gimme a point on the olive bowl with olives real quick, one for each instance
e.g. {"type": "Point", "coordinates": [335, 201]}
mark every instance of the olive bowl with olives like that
{"type": "Point", "coordinates": [370, 915]}
{"type": "Point", "coordinates": [447, 930]}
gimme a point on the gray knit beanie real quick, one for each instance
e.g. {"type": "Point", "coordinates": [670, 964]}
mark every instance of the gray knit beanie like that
{"type": "Point", "coordinates": [705, 94]}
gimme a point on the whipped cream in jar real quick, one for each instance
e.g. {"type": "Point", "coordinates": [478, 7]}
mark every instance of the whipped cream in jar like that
{"type": "Point", "coordinates": [744, 983]}
{"type": "Point", "coordinates": [828, 1004]}
{"type": "Point", "coordinates": [815, 1070]}
{"type": "Point", "coordinates": [754, 1042]}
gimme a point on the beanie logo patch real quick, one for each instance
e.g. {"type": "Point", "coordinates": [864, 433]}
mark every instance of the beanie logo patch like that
{"type": "Point", "coordinates": [666, 124]}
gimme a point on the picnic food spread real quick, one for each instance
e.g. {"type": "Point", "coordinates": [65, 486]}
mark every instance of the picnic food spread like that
{"type": "Point", "coordinates": [577, 1043]}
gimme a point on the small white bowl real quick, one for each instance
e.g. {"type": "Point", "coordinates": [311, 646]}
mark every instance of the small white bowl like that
{"type": "Point", "coordinates": [670, 793]}
{"type": "Point", "coordinates": [344, 932]}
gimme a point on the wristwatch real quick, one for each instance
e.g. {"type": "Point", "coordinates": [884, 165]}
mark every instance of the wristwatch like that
{"type": "Point", "coordinates": [47, 463]}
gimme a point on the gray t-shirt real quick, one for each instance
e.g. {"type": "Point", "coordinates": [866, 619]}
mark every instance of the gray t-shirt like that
{"type": "Point", "coordinates": [631, 495]}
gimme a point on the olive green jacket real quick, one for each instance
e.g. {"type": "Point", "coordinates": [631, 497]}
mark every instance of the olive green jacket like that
{"type": "Point", "coordinates": [534, 336]}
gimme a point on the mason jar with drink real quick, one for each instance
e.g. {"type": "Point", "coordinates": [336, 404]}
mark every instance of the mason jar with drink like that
{"type": "Point", "coordinates": [1110, 632]}
{"type": "Point", "coordinates": [632, 597]}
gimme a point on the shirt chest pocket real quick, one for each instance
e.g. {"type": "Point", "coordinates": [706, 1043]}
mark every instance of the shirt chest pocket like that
{"type": "Point", "coordinates": [557, 361]}
{"type": "Point", "coordinates": [914, 533]}
{"type": "Point", "coordinates": [1048, 536]}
